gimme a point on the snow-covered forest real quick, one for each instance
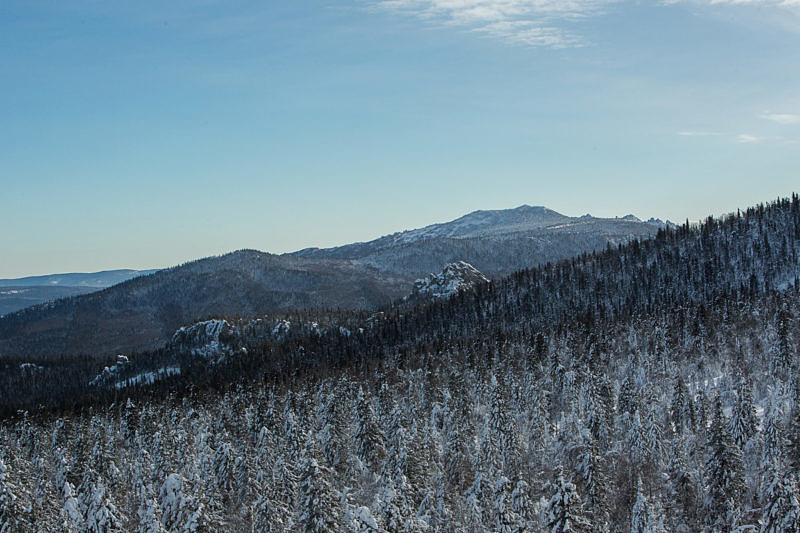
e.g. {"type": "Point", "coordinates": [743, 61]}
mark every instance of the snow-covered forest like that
{"type": "Point", "coordinates": [650, 388]}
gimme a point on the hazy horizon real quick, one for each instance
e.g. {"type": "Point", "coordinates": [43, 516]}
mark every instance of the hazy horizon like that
{"type": "Point", "coordinates": [642, 217]}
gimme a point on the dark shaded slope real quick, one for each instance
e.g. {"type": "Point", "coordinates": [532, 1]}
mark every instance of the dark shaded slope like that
{"type": "Point", "coordinates": [142, 313]}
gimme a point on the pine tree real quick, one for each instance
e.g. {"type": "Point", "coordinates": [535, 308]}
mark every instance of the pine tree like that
{"type": "Point", "coordinates": [149, 521]}
{"type": "Point", "coordinates": [458, 469]}
{"type": "Point", "coordinates": [682, 407]}
{"type": "Point", "coordinates": [594, 480]}
{"type": "Point", "coordinates": [793, 433]}
{"type": "Point", "coordinates": [781, 507]}
{"type": "Point", "coordinates": [425, 512]}
{"type": "Point", "coordinates": [641, 521]}
{"type": "Point", "coordinates": [645, 442]}
{"type": "Point", "coordinates": [71, 514]}
{"type": "Point", "coordinates": [774, 434]}
{"type": "Point", "coordinates": [269, 514]}
{"type": "Point", "coordinates": [683, 496]}
{"type": "Point", "coordinates": [420, 463]}
{"type": "Point", "coordinates": [503, 518]}
{"type": "Point", "coordinates": [179, 512]}
{"type": "Point", "coordinates": [521, 505]}
{"type": "Point", "coordinates": [724, 473]}
{"type": "Point", "coordinates": [318, 509]}
{"type": "Point", "coordinates": [223, 467]}
{"type": "Point", "coordinates": [474, 500]}
{"type": "Point", "coordinates": [441, 512]}
{"type": "Point", "coordinates": [331, 436]}
{"type": "Point", "coordinates": [565, 510]}
{"type": "Point", "coordinates": [743, 423]}
{"type": "Point", "coordinates": [702, 410]}
{"type": "Point", "coordinates": [396, 462]}
{"type": "Point", "coordinates": [101, 514]}
{"type": "Point", "coordinates": [391, 508]}
{"type": "Point", "coordinates": [502, 432]}
{"type": "Point", "coordinates": [627, 401]}
{"type": "Point", "coordinates": [783, 360]}
{"type": "Point", "coordinates": [12, 516]}
{"type": "Point", "coordinates": [364, 522]}
{"type": "Point", "coordinates": [654, 438]}
{"type": "Point", "coordinates": [369, 439]}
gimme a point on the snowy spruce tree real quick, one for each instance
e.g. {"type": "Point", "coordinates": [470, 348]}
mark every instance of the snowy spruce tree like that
{"type": "Point", "coordinates": [504, 520]}
{"type": "Point", "coordinates": [781, 511]}
{"type": "Point", "coordinates": [12, 514]}
{"type": "Point", "coordinates": [179, 512]}
{"type": "Point", "coordinates": [148, 512]}
{"type": "Point", "coordinates": [318, 506]}
{"type": "Point", "coordinates": [565, 509]}
{"type": "Point", "coordinates": [369, 438]}
{"type": "Point", "coordinates": [724, 474]}
{"type": "Point", "coordinates": [101, 513]}
{"type": "Point", "coordinates": [643, 520]}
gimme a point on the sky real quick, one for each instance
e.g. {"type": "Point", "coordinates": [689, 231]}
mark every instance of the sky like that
{"type": "Point", "coordinates": [146, 134]}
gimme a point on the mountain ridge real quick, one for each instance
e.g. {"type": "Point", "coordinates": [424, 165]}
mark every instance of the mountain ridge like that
{"type": "Point", "coordinates": [496, 242]}
{"type": "Point", "coordinates": [142, 313]}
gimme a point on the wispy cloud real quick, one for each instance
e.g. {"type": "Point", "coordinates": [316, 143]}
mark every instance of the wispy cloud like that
{"type": "Point", "coordinates": [759, 3]}
{"type": "Point", "coordinates": [699, 133]}
{"type": "Point", "coordinates": [525, 22]}
{"type": "Point", "coordinates": [746, 138]}
{"type": "Point", "coordinates": [740, 138]}
{"type": "Point", "coordinates": [782, 118]}
{"type": "Point", "coordinates": [535, 22]}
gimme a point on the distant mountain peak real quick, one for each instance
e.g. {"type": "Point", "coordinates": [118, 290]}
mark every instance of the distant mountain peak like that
{"type": "Point", "coordinates": [481, 223]}
{"type": "Point", "coordinates": [658, 223]}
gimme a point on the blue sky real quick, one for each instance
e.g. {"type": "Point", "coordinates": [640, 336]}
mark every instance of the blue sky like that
{"type": "Point", "coordinates": [144, 134]}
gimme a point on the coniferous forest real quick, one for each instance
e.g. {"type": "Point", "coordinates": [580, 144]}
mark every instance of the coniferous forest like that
{"type": "Point", "coordinates": [650, 387]}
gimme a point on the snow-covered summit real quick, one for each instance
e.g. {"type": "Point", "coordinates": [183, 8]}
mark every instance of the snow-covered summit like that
{"type": "Point", "coordinates": [655, 222]}
{"type": "Point", "coordinates": [488, 222]}
{"type": "Point", "coordinates": [455, 277]}
{"type": "Point", "coordinates": [523, 222]}
{"type": "Point", "coordinates": [658, 223]}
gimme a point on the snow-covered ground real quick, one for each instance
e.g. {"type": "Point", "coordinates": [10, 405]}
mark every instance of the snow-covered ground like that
{"type": "Point", "coordinates": [148, 378]}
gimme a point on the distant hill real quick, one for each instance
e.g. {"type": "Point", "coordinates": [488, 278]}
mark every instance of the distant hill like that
{"type": "Point", "coordinates": [98, 280]}
{"type": "Point", "coordinates": [13, 298]}
{"type": "Point", "coordinates": [19, 293]}
{"type": "Point", "coordinates": [144, 312]}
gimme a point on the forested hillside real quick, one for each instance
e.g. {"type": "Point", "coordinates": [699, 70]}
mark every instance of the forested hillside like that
{"type": "Point", "coordinates": [651, 387]}
{"type": "Point", "coordinates": [19, 293]}
{"type": "Point", "coordinates": [143, 313]}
